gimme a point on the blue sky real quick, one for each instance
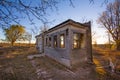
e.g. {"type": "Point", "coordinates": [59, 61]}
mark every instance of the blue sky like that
{"type": "Point", "coordinates": [83, 11]}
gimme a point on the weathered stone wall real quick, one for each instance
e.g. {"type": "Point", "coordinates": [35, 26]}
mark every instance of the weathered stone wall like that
{"type": "Point", "coordinates": [89, 43]}
{"type": "Point", "coordinates": [69, 56]}
{"type": "Point", "coordinates": [78, 56]}
{"type": "Point", "coordinates": [60, 54]}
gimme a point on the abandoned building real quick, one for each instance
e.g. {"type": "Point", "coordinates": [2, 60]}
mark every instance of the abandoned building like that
{"type": "Point", "coordinates": [68, 43]}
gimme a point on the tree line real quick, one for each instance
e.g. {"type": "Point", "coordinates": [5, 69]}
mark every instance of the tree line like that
{"type": "Point", "coordinates": [14, 10]}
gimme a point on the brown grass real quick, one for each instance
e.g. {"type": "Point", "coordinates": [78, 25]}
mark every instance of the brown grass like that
{"type": "Point", "coordinates": [101, 59]}
{"type": "Point", "coordinates": [14, 65]}
{"type": "Point", "coordinates": [17, 45]}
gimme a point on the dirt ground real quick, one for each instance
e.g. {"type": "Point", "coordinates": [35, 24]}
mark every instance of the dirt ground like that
{"type": "Point", "coordinates": [15, 65]}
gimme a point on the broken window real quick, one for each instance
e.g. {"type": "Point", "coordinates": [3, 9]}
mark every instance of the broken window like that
{"type": "Point", "coordinates": [49, 42]}
{"type": "Point", "coordinates": [62, 41]}
{"type": "Point", "coordinates": [77, 40]}
{"type": "Point", "coordinates": [55, 41]}
{"type": "Point", "coordinates": [46, 41]}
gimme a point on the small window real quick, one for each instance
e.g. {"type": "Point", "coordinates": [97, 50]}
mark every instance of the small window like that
{"type": "Point", "coordinates": [62, 41]}
{"type": "Point", "coordinates": [77, 39]}
{"type": "Point", "coordinates": [46, 41]}
{"type": "Point", "coordinates": [55, 41]}
{"type": "Point", "coordinates": [49, 42]}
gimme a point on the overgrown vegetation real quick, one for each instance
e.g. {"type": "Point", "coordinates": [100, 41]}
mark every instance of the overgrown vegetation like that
{"type": "Point", "coordinates": [102, 55]}
{"type": "Point", "coordinates": [14, 65]}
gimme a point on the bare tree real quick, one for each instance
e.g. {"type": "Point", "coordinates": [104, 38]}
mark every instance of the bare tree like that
{"type": "Point", "coordinates": [15, 10]}
{"type": "Point", "coordinates": [94, 37]}
{"type": "Point", "coordinates": [110, 19]}
{"type": "Point", "coordinates": [27, 36]}
{"type": "Point", "coordinates": [44, 28]}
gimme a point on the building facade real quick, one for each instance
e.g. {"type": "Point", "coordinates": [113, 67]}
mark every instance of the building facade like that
{"type": "Point", "coordinates": [68, 43]}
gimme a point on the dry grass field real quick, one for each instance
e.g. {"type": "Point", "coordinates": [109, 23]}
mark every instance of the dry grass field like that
{"type": "Point", "coordinates": [14, 65]}
{"type": "Point", "coordinates": [101, 58]}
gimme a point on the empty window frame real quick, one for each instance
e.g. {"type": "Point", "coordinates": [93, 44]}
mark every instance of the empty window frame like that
{"type": "Point", "coordinates": [77, 40]}
{"type": "Point", "coordinates": [49, 43]}
{"type": "Point", "coordinates": [55, 44]}
{"type": "Point", "coordinates": [62, 41]}
{"type": "Point", "coordinates": [46, 40]}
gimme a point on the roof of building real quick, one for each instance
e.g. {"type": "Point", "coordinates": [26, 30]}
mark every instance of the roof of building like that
{"type": "Point", "coordinates": [71, 21]}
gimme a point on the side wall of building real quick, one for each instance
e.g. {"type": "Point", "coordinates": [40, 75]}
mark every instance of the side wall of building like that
{"type": "Point", "coordinates": [39, 43]}
{"type": "Point", "coordinates": [61, 55]}
{"type": "Point", "coordinates": [68, 55]}
{"type": "Point", "coordinates": [89, 43]}
{"type": "Point", "coordinates": [79, 55]}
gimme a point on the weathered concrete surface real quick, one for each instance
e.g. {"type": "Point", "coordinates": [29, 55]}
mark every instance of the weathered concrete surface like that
{"type": "Point", "coordinates": [35, 56]}
{"type": "Point", "coordinates": [68, 55]}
